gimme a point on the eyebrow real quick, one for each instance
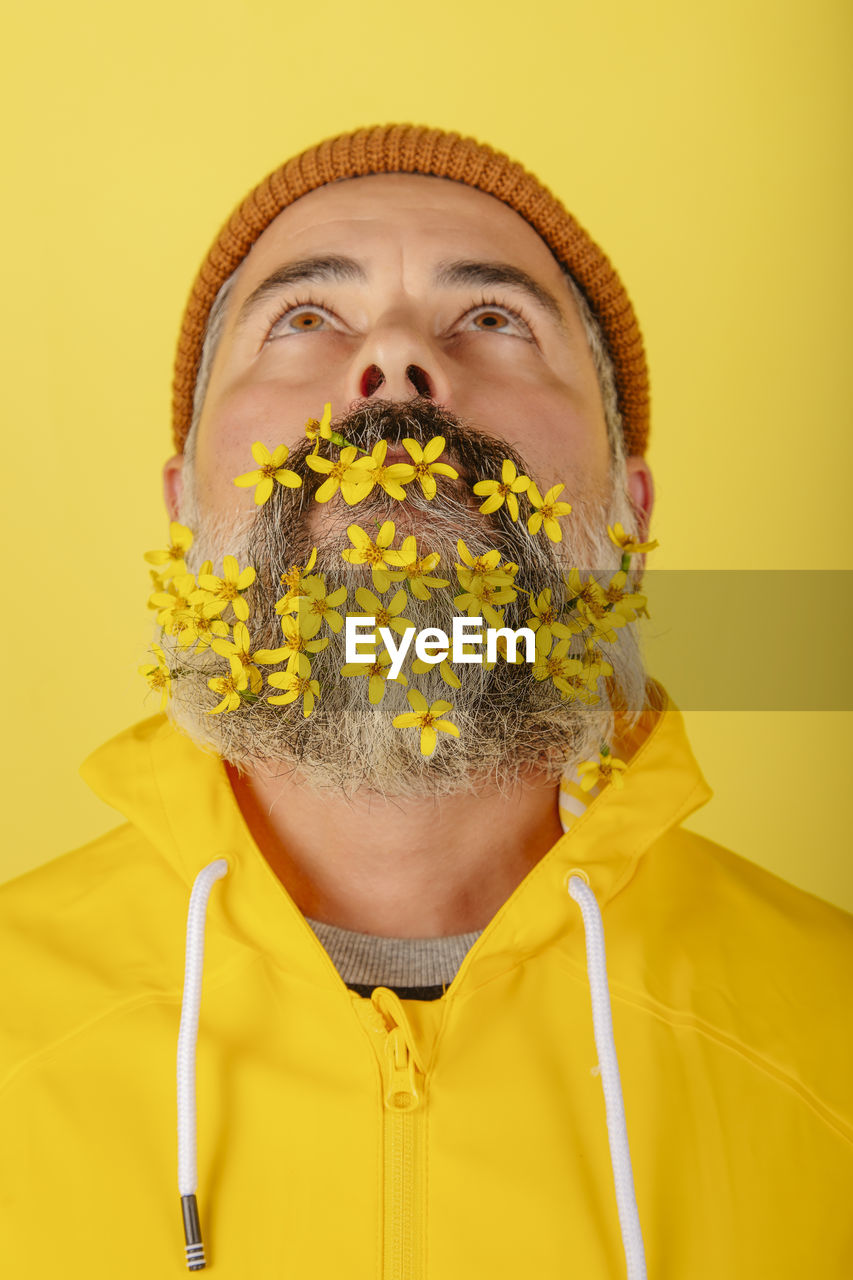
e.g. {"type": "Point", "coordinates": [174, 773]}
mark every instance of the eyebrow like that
{"type": "Point", "coordinates": [342, 269]}
{"type": "Point", "coordinates": [492, 273]}
{"type": "Point", "coordinates": [305, 271]}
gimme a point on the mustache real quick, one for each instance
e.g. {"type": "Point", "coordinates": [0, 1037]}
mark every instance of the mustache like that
{"type": "Point", "coordinates": [474, 453]}
{"type": "Point", "coordinates": [279, 534]}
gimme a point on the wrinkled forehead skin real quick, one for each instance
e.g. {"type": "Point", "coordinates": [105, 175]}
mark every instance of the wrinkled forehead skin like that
{"type": "Point", "coordinates": [415, 149]}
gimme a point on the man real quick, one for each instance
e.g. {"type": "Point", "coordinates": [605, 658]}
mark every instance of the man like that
{"type": "Point", "coordinates": [405, 1064]}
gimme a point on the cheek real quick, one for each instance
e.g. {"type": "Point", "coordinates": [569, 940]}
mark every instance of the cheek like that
{"type": "Point", "coordinates": [264, 411]}
{"type": "Point", "coordinates": [560, 432]}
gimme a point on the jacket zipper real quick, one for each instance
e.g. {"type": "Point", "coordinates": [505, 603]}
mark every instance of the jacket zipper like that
{"type": "Point", "coordinates": [404, 1113]}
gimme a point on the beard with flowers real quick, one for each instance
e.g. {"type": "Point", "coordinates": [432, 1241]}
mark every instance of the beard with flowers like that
{"type": "Point", "coordinates": [512, 723]}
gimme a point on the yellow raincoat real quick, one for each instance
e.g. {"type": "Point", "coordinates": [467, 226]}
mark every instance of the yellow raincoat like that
{"type": "Point", "coordinates": [343, 1138]}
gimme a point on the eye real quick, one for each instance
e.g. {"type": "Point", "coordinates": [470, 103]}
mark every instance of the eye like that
{"type": "Point", "coordinates": [302, 317]}
{"type": "Point", "coordinates": [492, 317]}
{"type": "Point", "coordinates": [490, 320]}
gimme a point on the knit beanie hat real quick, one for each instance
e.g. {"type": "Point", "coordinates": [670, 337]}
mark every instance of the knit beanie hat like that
{"type": "Point", "coordinates": [414, 149]}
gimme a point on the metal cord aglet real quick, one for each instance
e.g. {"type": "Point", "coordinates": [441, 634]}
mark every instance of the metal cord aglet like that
{"type": "Point", "coordinates": [192, 1234]}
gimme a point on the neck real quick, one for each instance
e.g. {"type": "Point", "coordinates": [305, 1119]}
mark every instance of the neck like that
{"type": "Point", "coordinates": [398, 868]}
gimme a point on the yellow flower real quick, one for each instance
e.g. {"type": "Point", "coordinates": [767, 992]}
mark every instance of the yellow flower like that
{"type": "Point", "coordinates": [228, 589]}
{"type": "Point", "coordinates": [426, 467]}
{"type": "Point", "coordinates": [589, 598]}
{"type": "Point", "coordinates": [627, 541]}
{"type": "Point", "coordinates": [557, 666]}
{"type": "Point", "coordinates": [605, 769]}
{"type": "Point", "coordinates": [630, 604]}
{"type": "Point", "coordinates": [482, 599]}
{"type": "Point", "coordinates": [595, 665]}
{"type": "Point", "coordinates": [364, 551]}
{"type": "Point", "coordinates": [427, 719]}
{"type": "Point", "coordinates": [294, 651]}
{"type": "Point", "coordinates": [485, 568]}
{"type": "Point", "coordinates": [321, 430]}
{"type": "Point", "coordinates": [549, 511]}
{"type": "Point", "coordinates": [175, 603]}
{"type": "Point", "coordinates": [293, 579]}
{"type": "Point", "coordinates": [159, 678]}
{"type": "Point", "coordinates": [240, 649]}
{"type": "Point", "coordinates": [313, 606]}
{"type": "Point", "coordinates": [503, 490]}
{"type": "Point", "coordinates": [376, 672]}
{"type": "Point", "coordinates": [229, 687]}
{"type": "Point", "coordinates": [415, 569]}
{"type": "Point", "coordinates": [295, 685]}
{"type": "Point", "coordinates": [172, 559]}
{"type": "Point", "coordinates": [270, 469]}
{"type": "Point", "coordinates": [386, 615]}
{"type": "Point", "coordinates": [195, 628]}
{"type": "Point", "coordinates": [545, 621]}
{"type": "Point", "coordinates": [479, 566]}
{"type": "Point", "coordinates": [391, 478]}
{"type": "Point", "coordinates": [352, 482]}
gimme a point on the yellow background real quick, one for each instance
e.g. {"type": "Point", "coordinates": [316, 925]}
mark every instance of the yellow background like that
{"type": "Point", "coordinates": [700, 144]}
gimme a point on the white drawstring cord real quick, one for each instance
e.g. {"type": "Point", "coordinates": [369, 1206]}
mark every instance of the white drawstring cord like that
{"type": "Point", "coordinates": [617, 1133]}
{"type": "Point", "coordinates": [187, 1036]}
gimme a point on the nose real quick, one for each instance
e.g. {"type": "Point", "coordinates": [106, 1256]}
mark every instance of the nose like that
{"type": "Point", "coordinates": [373, 379]}
{"type": "Point", "coordinates": [398, 361]}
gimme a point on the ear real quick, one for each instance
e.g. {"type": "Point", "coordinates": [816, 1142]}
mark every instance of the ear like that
{"type": "Point", "coordinates": [173, 484]}
{"type": "Point", "coordinates": [641, 491]}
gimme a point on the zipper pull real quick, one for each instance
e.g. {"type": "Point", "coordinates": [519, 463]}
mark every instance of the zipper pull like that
{"type": "Point", "coordinates": [401, 1067]}
{"type": "Point", "coordinates": [401, 1090]}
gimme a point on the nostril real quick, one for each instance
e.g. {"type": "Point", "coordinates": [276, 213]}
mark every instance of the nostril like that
{"type": "Point", "coordinates": [419, 380]}
{"type": "Point", "coordinates": [371, 380]}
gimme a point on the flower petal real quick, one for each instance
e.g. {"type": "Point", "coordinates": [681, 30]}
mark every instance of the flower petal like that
{"type": "Point", "coordinates": [434, 448]}
{"type": "Point", "coordinates": [417, 701]}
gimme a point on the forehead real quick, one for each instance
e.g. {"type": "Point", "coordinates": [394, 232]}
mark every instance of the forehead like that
{"type": "Point", "coordinates": [424, 218]}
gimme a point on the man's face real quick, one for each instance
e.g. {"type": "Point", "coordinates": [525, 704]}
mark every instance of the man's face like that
{"type": "Point", "coordinates": [392, 286]}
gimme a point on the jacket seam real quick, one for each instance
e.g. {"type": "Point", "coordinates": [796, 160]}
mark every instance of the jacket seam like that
{"type": "Point", "coordinates": [138, 1002]}
{"type": "Point", "coordinates": [676, 1020]}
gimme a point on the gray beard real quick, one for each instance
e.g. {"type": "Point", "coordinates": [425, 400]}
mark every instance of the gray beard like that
{"type": "Point", "coordinates": [512, 727]}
